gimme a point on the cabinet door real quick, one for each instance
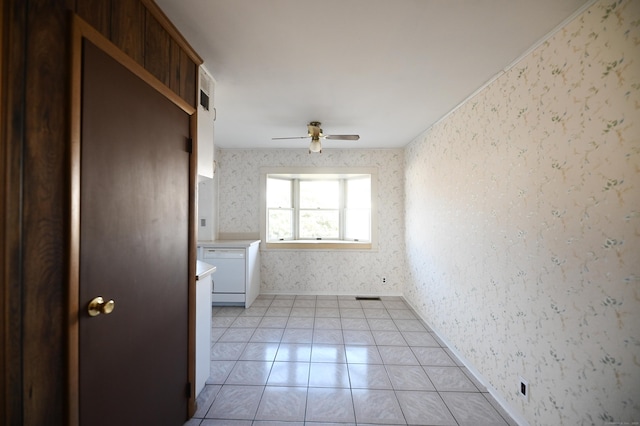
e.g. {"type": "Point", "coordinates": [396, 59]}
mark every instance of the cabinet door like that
{"type": "Point", "coordinates": [206, 118]}
{"type": "Point", "coordinates": [253, 273]}
{"type": "Point", "coordinates": [203, 331]}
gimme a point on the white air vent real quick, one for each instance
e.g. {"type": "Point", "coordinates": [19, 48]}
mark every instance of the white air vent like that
{"type": "Point", "coordinates": [206, 88]}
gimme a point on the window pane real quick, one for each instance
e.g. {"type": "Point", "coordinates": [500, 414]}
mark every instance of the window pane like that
{"type": "Point", "coordinates": [358, 224]}
{"type": "Point", "coordinates": [315, 194]}
{"type": "Point", "coordinates": [280, 224]}
{"type": "Point", "coordinates": [359, 193]}
{"type": "Point", "coordinates": [319, 224]}
{"type": "Point", "coordinates": [279, 193]}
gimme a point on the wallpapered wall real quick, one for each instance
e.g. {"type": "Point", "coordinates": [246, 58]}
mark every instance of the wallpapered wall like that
{"type": "Point", "coordinates": [318, 272]}
{"type": "Point", "coordinates": [523, 224]}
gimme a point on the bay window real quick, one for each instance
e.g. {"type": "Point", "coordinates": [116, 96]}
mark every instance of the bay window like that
{"type": "Point", "coordinates": [320, 208]}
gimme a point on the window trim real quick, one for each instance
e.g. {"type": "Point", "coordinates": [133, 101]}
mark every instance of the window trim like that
{"type": "Point", "coordinates": [319, 244]}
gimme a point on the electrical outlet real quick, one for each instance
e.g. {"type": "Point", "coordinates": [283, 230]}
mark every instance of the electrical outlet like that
{"type": "Point", "coordinates": [384, 280]}
{"type": "Point", "coordinates": [523, 391]}
{"type": "Point", "coordinates": [203, 222]}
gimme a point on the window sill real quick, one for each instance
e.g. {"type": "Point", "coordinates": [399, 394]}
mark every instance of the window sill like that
{"type": "Point", "coordinates": [318, 245]}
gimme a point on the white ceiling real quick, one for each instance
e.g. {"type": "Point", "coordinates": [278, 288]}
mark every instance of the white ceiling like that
{"type": "Point", "coordinates": [383, 69]}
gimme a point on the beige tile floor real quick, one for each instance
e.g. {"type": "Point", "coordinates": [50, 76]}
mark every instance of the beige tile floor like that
{"type": "Point", "coordinates": [335, 360]}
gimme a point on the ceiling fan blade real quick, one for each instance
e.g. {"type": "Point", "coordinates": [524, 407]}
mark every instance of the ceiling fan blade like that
{"type": "Point", "coordinates": [343, 137]}
{"type": "Point", "coordinates": [294, 137]}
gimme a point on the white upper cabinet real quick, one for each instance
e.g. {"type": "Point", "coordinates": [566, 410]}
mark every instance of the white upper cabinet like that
{"type": "Point", "coordinates": [206, 119]}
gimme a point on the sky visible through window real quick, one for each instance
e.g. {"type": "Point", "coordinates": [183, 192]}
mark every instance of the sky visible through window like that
{"type": "Point", "coordinates": [319, 209]}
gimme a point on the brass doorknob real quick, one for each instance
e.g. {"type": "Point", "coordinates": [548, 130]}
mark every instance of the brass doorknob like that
{"type": "Point", "coordinates": [98, 306]}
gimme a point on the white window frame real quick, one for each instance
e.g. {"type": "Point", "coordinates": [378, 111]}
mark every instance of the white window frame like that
{"type": "Point", "coordinates": [331, 173]}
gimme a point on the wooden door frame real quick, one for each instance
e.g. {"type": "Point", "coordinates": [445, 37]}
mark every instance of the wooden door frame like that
{"type": "Point", "coordinates": [80, 31]}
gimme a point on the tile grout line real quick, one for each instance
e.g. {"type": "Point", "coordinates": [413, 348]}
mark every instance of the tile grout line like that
{"type": "Point", "coordinates": [344, 343]}
{"type": "Point", "coordinates": [395, 393]}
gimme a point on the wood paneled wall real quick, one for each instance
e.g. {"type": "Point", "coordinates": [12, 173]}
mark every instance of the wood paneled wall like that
{"type": "Point", "coordinates": [34, 183]}
{"type": "Point", "coordinates": [139, 28]}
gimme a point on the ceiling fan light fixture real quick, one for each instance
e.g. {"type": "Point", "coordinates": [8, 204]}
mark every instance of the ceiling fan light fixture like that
{"type": "Point", "coordinates": [315, 145]}
{"type": "Point", "coordinates": [315, 133]}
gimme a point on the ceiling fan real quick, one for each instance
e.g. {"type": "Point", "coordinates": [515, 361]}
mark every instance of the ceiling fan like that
{"type": "Point", "coordinates": [315, 133]}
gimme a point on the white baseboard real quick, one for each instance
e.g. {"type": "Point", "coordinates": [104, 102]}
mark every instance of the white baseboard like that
{"type": "Point", "coordinates": [515, 415]}
{"type": "Point", "coordinates": [266, 293]}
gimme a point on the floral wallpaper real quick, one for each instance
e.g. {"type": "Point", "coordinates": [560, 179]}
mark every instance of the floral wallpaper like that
{"type": "Point", "coordinates": [317, 272]}
{"type": "Point", "coordinates": [523, 224]}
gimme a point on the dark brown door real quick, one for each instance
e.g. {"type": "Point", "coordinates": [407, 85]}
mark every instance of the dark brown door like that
{"type": "Point", "coordinates": [133, 249]}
